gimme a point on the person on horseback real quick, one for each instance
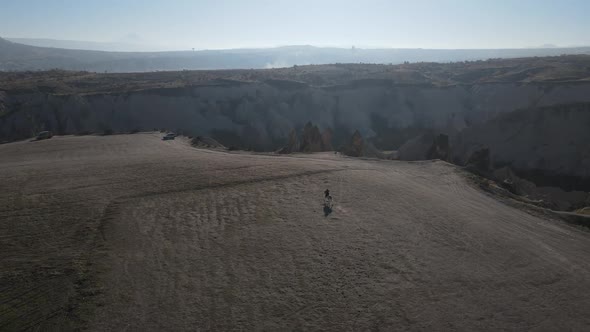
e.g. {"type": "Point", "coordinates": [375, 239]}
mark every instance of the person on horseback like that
{"type": "Point", "coordinates": [327, 199]}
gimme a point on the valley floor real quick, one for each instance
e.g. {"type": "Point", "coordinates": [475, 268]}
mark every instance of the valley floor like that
{"type": "Point", "coordinates": [129, 232]}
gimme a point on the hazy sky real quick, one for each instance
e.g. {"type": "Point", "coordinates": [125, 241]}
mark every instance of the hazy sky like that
{"type": "Point", "coordinates": [209, 24]}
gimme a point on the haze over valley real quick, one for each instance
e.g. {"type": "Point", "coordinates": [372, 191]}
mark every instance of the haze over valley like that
{"type": "Point", "coordinates": [15, 56]}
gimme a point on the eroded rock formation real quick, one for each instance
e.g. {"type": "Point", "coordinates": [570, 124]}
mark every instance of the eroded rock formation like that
{"type": "Point", "coordinates": [440, 148]}
{"type": "Point", "coordinates": [545, 142]}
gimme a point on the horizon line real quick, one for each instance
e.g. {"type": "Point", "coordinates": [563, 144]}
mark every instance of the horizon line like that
{"type": "Point", "coordinates": [352, 47]}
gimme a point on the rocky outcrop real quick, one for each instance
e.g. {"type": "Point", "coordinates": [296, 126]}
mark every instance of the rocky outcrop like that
{"type": "Point", "coordinates": [440, 148]}
{"type": "Point", "coordinates": [549, 197]}
{"type": "Point", "coordinates": [479, 161]}
{"type": "Point", "coordinates": [548, 146]}
{"type": "Point", "coordinates": [511, 182]}
{"type": "Point", "coordinates": [416, 148]}
{"type": "Point", "coordinates": [426, 146]}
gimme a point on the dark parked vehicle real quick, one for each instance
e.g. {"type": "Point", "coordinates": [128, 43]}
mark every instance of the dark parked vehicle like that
{"type": "Point", "coordinates": [169, 136]}
{"type": "Point", "coordinates": [44, 135]}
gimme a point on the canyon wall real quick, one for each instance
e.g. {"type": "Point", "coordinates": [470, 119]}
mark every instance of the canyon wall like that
{"type": "Point", "coordinates": [260, 116]}
{"type": "Point", "coordinates": [549, 145]}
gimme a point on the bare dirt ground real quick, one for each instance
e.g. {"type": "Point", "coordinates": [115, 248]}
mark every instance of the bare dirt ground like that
{"type": "Point", "coordinates": [129, 232]}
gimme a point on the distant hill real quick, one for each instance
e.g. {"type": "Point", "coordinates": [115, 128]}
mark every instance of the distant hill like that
{"type": "Point", "coordinates": [19, 57]}
{"type": "Point", "coordinates": [85, 45]}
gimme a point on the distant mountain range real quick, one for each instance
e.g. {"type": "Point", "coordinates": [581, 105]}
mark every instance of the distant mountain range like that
{"type": "Point", "coordinates": [16, 56]}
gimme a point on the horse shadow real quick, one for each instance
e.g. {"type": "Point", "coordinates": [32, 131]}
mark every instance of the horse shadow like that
{"type": "Point", "coordinates": [327, 210]}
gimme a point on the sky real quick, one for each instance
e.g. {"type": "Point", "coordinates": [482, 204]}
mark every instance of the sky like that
{"type": "Point", "coordinates": [223, 24]}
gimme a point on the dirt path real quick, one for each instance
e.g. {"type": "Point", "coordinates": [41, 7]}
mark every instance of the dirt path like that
{"type": "Point", "coordinates": [173, 238]}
